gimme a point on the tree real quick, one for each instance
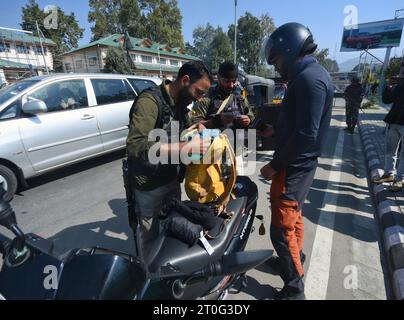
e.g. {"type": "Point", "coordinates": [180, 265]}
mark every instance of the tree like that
{"type": "Point", "coordinates": [66, 36]}
{"type": "Point", "coordinates": [321, 56]}
{"type": "Point", "coordinates": [159, 20]}
{"type": "Point", "coordinates": [331, 65]}
{"type": "Point", "coordinates": [220, 50]}
{"type": "Point", "coordinates": [267, 24]}
{"type": "Point", "coordinates": [115, 16]}
{"type": "Point", "coordinates": [202, 39]}
{"type": "Point", "coordinates": [249, 40]}
{"type": "Point", "coordinates": [116, 62]}
{"type": "Point", "coordinates": [393, 69]}
{"type": "Point", "coordinates": [164, 21]}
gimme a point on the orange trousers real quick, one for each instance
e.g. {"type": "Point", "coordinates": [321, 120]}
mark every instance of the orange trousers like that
{"type": "Point", "coordinates": [287, 229]}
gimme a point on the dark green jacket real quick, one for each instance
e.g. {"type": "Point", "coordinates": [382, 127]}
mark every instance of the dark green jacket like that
{"type": "Point", "coordinates": [144, 120]}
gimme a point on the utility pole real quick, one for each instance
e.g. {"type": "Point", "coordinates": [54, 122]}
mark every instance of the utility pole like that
{"type": "Point", "coordinates": [235, 31]}
{"type": "Point", "coordinates": [40, 42]}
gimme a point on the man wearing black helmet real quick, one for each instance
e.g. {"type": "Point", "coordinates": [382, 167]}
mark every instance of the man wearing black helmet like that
{"type": "Point", "coordinates": [300, 134]}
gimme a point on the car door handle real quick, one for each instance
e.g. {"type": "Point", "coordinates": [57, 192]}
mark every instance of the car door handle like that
{"type": "Point", "coordinates": [87, 117]}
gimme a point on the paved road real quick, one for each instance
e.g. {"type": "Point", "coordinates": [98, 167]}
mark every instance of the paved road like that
{"type": "Point", "coordinates": [84, 206]}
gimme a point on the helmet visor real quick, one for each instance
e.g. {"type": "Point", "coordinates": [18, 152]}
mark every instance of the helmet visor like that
{"type": "Point", "coordinates": [267, 50]}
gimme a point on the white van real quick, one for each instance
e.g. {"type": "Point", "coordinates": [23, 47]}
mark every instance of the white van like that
{"type": "Point", "coordinates": [48, 122]}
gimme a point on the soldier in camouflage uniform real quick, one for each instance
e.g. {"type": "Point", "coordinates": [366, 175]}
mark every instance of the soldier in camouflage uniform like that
{"type": "Point", "coordinates": [353, 97]}
{"type": "Point", "coordinates": [235, 115]}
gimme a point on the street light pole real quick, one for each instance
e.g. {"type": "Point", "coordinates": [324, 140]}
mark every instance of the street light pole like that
{"type": "Point", "coordinates": [235, 31]}
{"type": "Point", "coordinates": [42, 50]}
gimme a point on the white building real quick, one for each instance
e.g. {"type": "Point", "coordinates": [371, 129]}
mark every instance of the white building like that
{"type": "Point", "coordinates": [149, 58]}
{"type": "Point", "coordinates": [21, 53]}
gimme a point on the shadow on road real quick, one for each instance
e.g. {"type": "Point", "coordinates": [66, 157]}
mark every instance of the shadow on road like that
{"type": "Point", "coordinates": [113, 233]}
{"type": "Point", "coordinates": [73, 169]}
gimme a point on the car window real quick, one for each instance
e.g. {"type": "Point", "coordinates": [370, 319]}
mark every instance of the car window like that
{"type": "Point", "coordinates": [131, 93]}
{"type": "Point", "coordinates": [63, 95]}
{"type": "Point", "coordinates": [141, 85]}
{"type": "Point", "coordinates": [110, 91]}
{"type": "Point", "coordinates": [15, 88]}
{"type": "Point", "coordinates": [10, 112]}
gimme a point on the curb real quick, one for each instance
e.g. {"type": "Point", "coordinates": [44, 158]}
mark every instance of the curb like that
{"type": "Point", "coordinates": [390, 217]}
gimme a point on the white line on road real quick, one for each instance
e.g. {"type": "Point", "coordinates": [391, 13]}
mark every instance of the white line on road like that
{"type": "Point", "coordinates": [317, 276]}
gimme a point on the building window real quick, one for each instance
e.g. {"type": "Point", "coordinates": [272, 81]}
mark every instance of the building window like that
{"type": "Point", "coordinates": [163, 61]}
{"type": "Point", "coordinates": [68, 66]}
{"type": "Point", "coordinates": [79, 64]}
{"type": "Point", "coordinates": [4, 47]}
{"type": "Point", "coordinates": [22, 48]}
{"type": "Point", "coordinates": [38, 50]}
{"type": "Point", "coordinates": [174, 62]}
{"type": "Point", "coordinates": [147, 59]}
{"type": "Point", "coordinates": [92, 61]}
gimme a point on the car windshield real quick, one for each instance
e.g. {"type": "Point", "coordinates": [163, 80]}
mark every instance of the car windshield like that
{"type": "Point", "coordinates": [14, 89]}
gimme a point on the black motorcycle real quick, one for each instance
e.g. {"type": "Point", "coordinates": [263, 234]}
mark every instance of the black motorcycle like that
{"type": "Point", "coordinates": [173, 270]}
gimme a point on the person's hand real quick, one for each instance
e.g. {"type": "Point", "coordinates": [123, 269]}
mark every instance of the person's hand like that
{"type": "Point", "coordinates": [268, 132]}
{"type": "Point", "coordinates": [197, 145]}
{"type": "Point", "coordinates": [226, 119]}
{"type": "Point", "coordinates": [243, 121]}
{"type": "Point", "coordinates": [268, 172]}
{"type": "Point", "coordinates": [198, 126]}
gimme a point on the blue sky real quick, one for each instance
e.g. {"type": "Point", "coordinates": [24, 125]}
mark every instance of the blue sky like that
{"type": "Point", "coordinates": [325, 18]}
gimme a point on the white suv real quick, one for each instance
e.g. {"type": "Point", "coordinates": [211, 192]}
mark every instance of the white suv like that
{"type": "Point", "coordinates": [52, 121]}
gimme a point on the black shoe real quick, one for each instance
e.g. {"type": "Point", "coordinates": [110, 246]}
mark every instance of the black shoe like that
{"type": "Point", "coordinates": [347, 129]}
{"type": "Point", "coordinates": [285, 294]}
{"type": "Point", "coordinates": [274, 263]}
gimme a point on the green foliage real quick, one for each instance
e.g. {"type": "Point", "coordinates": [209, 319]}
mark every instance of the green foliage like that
{"type": "Point", "coordinates": [250, 34]}
{"type": "Point", "coordinates": [371, 103]}
{"type": "Point", "coordinates": [211, 45]}
{"type": "Point", "coordinates": [393, 69]}
{"type": "Point", "coordinates": [159, 20]}
{"type": "Point", "coordinates": [322, 57]}
{"type": "Point", "coordinates": [66, 36]}
{"type": "Point", "coordinates": [116, 62]}
{"type": "Point", "coordinates": [220, 50]}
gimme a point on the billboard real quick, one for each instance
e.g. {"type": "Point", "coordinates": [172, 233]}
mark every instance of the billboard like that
{"type": "Point", "coordinates": [372, 35]}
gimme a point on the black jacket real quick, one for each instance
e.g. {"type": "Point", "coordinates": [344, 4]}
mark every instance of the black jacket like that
{"type": "Point", "coordinates": [354, 94]}
{"type": "Point", "coordinates": [396, 97]}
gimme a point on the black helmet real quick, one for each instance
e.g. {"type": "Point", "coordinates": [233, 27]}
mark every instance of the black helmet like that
{"type": "Point", "coordinates": [290, 41]}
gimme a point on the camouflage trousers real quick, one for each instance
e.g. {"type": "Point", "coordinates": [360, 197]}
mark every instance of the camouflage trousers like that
{"type": "Point", "coordinates": [351, 114]}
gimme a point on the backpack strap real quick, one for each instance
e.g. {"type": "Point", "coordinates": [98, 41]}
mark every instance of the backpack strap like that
{"type": "Point", "coordinates": [164, 110]}
{"type": "Point", "coordinates": [225, 196]}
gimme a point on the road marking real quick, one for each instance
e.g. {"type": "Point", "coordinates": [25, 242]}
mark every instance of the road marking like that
{"type": "Point", "coordinates": [318, 274]}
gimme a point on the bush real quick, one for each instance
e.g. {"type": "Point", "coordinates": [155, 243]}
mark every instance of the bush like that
{"type": "Point", "coordinates": [372, 102]}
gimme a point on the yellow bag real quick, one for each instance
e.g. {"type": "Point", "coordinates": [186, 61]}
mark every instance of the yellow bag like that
{"type": "Point", "coordinates": [204, 182]}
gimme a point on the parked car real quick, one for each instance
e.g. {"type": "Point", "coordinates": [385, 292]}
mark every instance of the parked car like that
{"type": "Point", "coordinates": [363, 40]}
{"type": "Point", "coordinates": [48, 122]}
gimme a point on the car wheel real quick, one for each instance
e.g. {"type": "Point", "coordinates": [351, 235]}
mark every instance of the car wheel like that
{"type": "Point", "coordinates": [359, 45]}
{"type": "Point", "coordinates": [8, 181]}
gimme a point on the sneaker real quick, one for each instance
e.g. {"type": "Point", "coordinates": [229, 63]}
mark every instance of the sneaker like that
{"type": "Point", "coordinates": [285, 294]}
{"type": "Point", "coordinates": [396, 186]}
{"type": "Point", "coordinates": [384, 178]}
